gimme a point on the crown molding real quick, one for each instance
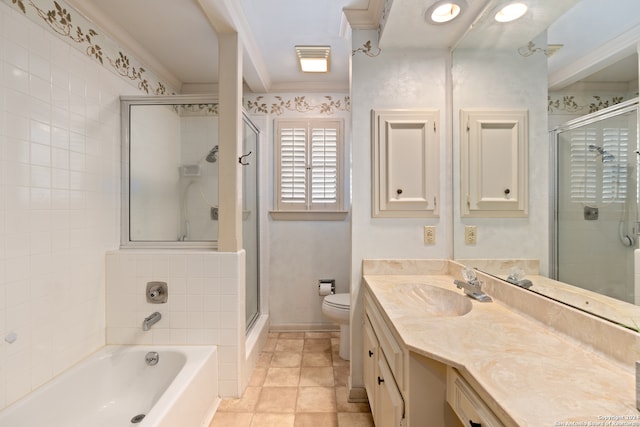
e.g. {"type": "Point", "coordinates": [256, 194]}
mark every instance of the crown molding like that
{"type": "Point", "coordinates": [365, 19]}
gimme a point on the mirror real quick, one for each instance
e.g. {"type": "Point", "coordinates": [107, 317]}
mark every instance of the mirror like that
{"type": "Point", "coordinates": [560, 67]}
{"type": "Point", "coordinates": [170, 172]}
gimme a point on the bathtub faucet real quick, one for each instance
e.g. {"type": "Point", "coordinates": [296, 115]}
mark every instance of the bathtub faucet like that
{"type": "Point", "coordinates": [148, 322]}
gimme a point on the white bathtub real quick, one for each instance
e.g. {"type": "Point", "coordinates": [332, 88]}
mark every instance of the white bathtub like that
{"type": "Point", "coordinates": [115, 384]}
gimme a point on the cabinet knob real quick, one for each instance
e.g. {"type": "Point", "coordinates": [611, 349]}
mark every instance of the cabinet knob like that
{"type": "Point", "coordinates": [475, 424]}
{"type": "Point", "coordinates": [506, 192]}
{"type": "Point", "coordinates": [370, 353]}
{"type": "Point", "coordinates": [399, 191]}
{"type": "Point", "coordinates": [380, 380]}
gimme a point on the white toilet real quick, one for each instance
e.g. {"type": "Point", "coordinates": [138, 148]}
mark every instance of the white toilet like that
{"type": "Point", "coordinates": [336, 308]}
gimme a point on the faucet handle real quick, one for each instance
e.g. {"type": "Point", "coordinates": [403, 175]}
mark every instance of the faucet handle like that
{"type": "Point", "coordinates": [469, 274]}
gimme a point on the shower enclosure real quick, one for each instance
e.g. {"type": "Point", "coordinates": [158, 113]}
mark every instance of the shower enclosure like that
{"type": "Point", "coordinates": [170, 180]}
{"type": "Point", "coordinates": [596, 201]}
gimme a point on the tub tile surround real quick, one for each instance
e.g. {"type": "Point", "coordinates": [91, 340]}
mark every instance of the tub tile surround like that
{"type": "Point", "coordinates": [203, 307]}
{"type": "Point", "coordinates": [533, 361]}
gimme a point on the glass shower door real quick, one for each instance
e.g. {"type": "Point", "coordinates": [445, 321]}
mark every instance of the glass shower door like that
{"type": "Point", "coordinates": [250, 228]}
{"type": "Point", "coordinates": [597, 199]}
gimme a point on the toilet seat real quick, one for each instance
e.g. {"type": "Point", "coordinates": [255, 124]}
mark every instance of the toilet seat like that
{"type": "Point", "coordinates": [340, 301]}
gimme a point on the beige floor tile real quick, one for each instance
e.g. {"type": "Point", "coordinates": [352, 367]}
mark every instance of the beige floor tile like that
{"type": "Point", "coordinates": [282, 377]}
{"type": "Point", "coordinates": [290, 335]}
{"type": "Point", "coordinates": [279, 400]}
{"type": "Point", "coordinates": [343, 404]}
{"type": "Point", "coordinates": [264, 360]}
{"type": "Point", "coordinates": [246, 403]}
{"type": "Point", "coordinates": [293, 344]}
{"type": "Point", "coordinates": [258, 376]}
{"type": "Point", "coordinates": [337, 360]}
{"type": "Point", "coordinates": [286, 359]}
{"type": "Point", "coordinates": [316, 345]}
{"type": "Point", "coordinates": [270, 345]}
{"type": "Point", "coordinates": [272, 420]}
{"type": "Point", "coordinates": [341, 375]}
{"type": "Point", "coordinates": [228, 419]}
{"type": "Point", "coordinates": [316, 335]}
{"type": "Point", "coordinates": [328, 419]}
{"type": "Point", "coordinates": [355, 419]}
{"type": "Point", "coordinates": [317, 359]}
{"type": "Point", "coordinates": [312, 376]}
{"type": "Point", "coordinates": [316, 399]}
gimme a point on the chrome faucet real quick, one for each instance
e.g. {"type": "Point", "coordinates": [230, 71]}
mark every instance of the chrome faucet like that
{"type": "Point", "coordinates": [148, 322]}
{"type": "Point", "coordinates": [472, 286]}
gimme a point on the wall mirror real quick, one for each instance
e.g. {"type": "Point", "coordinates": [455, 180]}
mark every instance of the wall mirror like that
{"type": "Point", "coordinates": [170, 172]}
{"type": "Point", "coordinates": [575, 72]}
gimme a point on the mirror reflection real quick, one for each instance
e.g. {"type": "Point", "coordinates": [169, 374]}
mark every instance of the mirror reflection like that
{"type": "Point", "coordinates": [583, 195]}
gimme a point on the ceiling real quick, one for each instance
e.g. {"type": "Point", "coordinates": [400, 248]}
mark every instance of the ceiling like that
{"type": "Point", "coordinates": [178, 39]}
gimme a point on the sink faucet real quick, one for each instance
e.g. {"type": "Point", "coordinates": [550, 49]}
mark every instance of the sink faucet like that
{"type": "Point", "coordinates": [148, 322]}
{"type": "Point", "coordinates": [472, 286]}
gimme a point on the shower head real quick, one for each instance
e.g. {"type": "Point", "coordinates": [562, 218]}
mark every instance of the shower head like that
{"type": "Point", "coordinates": [605, 155]}
{"type": "Point", "coordinates": [212, 156]}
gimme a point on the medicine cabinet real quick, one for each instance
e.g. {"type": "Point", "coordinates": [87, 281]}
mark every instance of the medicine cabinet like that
{"type": "Point", "coordinates": [493, 163]}
{"type": "Point", "coordinates": [405, 163]}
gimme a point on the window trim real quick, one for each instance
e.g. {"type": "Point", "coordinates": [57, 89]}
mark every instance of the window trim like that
{"type": "Point", "coordinates": [308, 210]}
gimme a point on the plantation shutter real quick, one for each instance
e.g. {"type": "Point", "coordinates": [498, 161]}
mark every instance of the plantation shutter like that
{"type": "Point", "coordinates": [599, 165]}
{"type": "Point", "coordinates": [308, 167]}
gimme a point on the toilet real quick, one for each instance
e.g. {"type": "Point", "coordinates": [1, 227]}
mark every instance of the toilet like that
{"type": "Point", "coordinates": [336, 308]}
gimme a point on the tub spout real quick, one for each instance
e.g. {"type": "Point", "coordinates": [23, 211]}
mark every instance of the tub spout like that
{"type": "Point", "coordinates": [148, 322]}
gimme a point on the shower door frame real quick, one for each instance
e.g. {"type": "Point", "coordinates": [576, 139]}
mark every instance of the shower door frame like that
{"type": "Point", "coordinates": [613, 111]}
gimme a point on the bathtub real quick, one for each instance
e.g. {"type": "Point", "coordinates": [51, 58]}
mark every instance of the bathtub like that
{"type": "Point", "coordinates": [116, 387]}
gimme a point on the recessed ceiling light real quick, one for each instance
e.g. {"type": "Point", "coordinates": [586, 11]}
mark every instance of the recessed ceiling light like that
{"type": "Point", "coordinates": [511, 12]}
{"type": "Point", "coordinates": [313, 59]}
{"type": "Point", "coordinates": [444, 11]}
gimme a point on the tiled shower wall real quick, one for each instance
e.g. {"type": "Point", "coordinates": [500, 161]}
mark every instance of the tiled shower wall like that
{"type": "Point", "coordinates": [203, 307]}
{"type": "Point", "coordinates": [59, 200]}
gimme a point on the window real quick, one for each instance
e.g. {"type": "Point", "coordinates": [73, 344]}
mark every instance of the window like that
{"type": "Point", "coordinates": [599, 165]}
{"type": "Point", "coordinates": [308, 169]}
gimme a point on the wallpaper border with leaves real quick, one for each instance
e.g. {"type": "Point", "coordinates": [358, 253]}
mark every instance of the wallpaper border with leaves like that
{"type": "Point", "coordinates": [558, 103]}
{"type": "Point", "coordinates": [281, 104]}
{"type": "Point", "coordinates": [68, 24]}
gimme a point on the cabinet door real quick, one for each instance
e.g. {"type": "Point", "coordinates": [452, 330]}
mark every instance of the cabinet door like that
{"type": "Point", "coordinates": [389, 402]}
{"type": "Point", "coordinates": [369, 358]}
{"type": "Point", "coordinates": [406, 161]}
{"type": "Point", "coordinates": [493, 163]}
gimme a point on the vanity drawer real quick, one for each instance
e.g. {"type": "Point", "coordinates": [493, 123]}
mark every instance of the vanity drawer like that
{"type": "Point", "coordinates": [466, 403]}
{"type": "Point", "coordinates": [387, 342]}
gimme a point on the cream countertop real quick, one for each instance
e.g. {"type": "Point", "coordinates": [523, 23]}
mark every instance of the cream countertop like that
{"type": "Point", "coordinates": [528, 373]}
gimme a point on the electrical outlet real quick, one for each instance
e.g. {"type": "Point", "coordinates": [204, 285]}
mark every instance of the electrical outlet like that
{"type": "Point", "coordinates": [429, 235]}
{"type": "Point", "coordinates": [470, 234]}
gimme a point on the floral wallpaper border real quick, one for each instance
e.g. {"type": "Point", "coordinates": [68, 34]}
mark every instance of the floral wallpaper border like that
{"type": "Point", "coordinates": [78, 32]}
{"type": "Point", "coordinates": [278, 105]}
{"type": "Point", "coordinates": [582, 104]}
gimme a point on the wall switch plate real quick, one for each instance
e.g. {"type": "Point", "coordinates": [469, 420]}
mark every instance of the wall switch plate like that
{"type": "Point", "coordinates": [470, 234]}
{"type": "Point", "coordinates": [429, 235]}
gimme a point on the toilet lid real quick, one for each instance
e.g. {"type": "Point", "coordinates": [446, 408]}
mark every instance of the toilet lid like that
{"type": "Point", "coordinates": [339, 300]}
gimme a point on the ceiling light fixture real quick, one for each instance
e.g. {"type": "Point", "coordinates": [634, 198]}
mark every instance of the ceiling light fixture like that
{"type": "Point", "coordinates": [314, 59]}
{"type": "Point", "coordinates": [444, 11]}
{"type": "Point", "coordinates": [511, 12]}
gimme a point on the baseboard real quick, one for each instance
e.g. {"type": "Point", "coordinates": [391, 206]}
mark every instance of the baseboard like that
{"type": "Point", "coordinates": [295, 327]}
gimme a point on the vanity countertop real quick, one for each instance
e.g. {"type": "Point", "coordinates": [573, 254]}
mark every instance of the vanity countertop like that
{"type": "Point", "coordinates": [528, 373]}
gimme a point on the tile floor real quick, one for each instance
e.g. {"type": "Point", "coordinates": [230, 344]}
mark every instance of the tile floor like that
{"type": "Point", "coordinates": [299, 381]}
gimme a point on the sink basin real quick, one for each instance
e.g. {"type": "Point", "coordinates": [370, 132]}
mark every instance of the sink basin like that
{"type": "Point", "coordinates": [432, 300]}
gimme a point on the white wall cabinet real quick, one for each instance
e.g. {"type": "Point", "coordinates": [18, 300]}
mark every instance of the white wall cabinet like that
{"type": "Point", "coordinates": [405, 163]}
{"type": "Point", "coordinates": [494, 163]}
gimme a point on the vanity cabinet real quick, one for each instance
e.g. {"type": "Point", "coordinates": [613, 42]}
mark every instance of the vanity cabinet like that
{"type": "Point", "coordinates": [407, 389]}
{"type": "Point", "coordinates": [380, 376]}
{"type": "Point", "coordinates": [467, 404]}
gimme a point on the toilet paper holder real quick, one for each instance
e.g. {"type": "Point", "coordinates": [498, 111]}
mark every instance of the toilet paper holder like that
{"type": "Point", "coordinates": [323, 286]}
